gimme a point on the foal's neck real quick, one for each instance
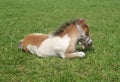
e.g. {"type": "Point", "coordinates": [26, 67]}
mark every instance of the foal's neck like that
{"type": "Point", "coordinates": [72, 33]}
{"type": "Point", "coordinates": [74, 36]}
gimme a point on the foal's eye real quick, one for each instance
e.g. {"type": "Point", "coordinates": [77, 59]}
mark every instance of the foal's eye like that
{"type": "Point", "coordinates": [86, 26]}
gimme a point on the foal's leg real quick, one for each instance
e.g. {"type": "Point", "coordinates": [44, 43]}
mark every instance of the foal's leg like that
{"type": "Point", "coordinates": [34, 50]}
{"type": "Point", "coordinates": [75, 54]}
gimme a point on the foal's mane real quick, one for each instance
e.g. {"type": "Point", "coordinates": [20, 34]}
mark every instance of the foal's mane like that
{"type": "Point", "coordinates": [63, 27]}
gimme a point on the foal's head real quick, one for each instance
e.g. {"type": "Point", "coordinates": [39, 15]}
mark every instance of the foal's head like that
{"type": "Point", "coordinates": [84, 39]}
{"type": "Point", "coordinates": [78, 27]}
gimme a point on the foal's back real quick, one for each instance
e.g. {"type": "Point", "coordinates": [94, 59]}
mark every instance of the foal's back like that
{"type": "Point", "coordinates": [32, 39]}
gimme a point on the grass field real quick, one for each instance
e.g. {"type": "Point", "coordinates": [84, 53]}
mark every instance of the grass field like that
{"type": "Point", "coordinates": [21, 17]}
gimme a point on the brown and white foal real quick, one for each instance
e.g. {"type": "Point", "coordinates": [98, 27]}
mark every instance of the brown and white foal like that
{"type": "Point", "coordinates": [60, 43]}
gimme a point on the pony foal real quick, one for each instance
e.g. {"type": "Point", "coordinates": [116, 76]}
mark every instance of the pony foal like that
{"type": "Point", "coordinates": [60, 43]}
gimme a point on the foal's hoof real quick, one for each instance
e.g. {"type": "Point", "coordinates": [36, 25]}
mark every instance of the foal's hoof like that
{"type": "Point", "coordinates": [81, 54]}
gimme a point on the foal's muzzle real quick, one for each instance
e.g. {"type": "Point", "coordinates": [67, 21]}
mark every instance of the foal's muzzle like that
{"type": "Point", "coordinates": [89, 41]}
{"type": "Point", "coordinates": [85, 42]}
{"type": "Point", "coordinates": [90, 44]}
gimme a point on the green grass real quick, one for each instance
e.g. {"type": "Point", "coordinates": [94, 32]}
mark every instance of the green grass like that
{"type": "Point", "coordinates": [21, 17]}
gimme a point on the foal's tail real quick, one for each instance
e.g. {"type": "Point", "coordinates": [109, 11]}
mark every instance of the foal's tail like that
{"type": "Point", "coordinates": [20, 45]}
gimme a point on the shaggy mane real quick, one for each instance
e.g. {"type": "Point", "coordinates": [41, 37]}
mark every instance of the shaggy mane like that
{"type": "Point", "coordinates": [63, 27]}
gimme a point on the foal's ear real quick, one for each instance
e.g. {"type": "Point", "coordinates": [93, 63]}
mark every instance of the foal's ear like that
{"type": "Point", "coordinates": [80, 21]}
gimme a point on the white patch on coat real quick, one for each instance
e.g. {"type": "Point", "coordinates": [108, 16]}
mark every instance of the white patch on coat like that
{"type": "Point", "coordinates": [53, 46]}
{"type": "Point", "coordinates": [32, 49]}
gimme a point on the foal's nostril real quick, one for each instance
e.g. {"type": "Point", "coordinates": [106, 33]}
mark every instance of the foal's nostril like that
{"type": "Point", "coordinates": [90, 44]}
